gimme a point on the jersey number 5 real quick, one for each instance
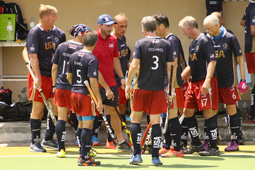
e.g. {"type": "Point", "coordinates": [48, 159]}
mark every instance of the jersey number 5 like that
{"type": "Point", "coordinates": [78, 72]}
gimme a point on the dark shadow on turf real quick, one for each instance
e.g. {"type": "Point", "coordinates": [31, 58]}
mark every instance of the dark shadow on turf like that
{"type": "Point", "coordinates": [239, 156]}
{"type": "Point", "coordinates": [204, 158]}
{"type": "Point", "coordinates": [183, 166]}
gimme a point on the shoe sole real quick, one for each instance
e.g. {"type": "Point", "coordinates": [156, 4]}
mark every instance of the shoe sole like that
{"type": "Point", "coordinates": [157, 164]}
{"type": "Point", "coordinates": [135, 162]}
{"type": "Point", "coordinates": [61, 156]}
{"type": "Point", "coordinates": [232, 150]}
{"type": "Point", "coordinates": [47, 146]}
{"type": "Point", "coordinates": [31, 150]}
{"type": "Point", "coordinates": [90, 164]}
{"type": "Point", "coordinates": [96, 144]}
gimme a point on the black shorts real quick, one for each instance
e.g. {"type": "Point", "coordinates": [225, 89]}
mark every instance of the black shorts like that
{"type": "Point", "coordinates": [107, 102]}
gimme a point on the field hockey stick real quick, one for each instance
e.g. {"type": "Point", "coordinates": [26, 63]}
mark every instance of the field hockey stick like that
{"type": "Point", "coordinates": [169, 103]}
{"type": "Point", "coordinates": [181, 118]}
{"type": "Point", "coordinates": [47, 104]}
{"type": "Point", "coordinates": [101, 114]}
{"type": "Point", "coordinates": [123, 123]}
{"type": "Point", "coordinates": [145, 135]}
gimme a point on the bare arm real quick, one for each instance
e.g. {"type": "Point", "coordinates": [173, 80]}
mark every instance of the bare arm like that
{"type": "Point", "coordinates": [186, 73]}
{"type": "Point", "coordinates": [35, 65]}
{"type": "Point", "coordinates": [25, 54]}
{"type": "Point", "coordinates": [242, 23]}
{"type": "Point", "coordinates": [69, 77]}
{"type": "Point", "coordinates": [118, 70]}
{"type": "Point", "coordinates": [95, 88]}
{"type": "Point", "coordinates": [209, 75]}
{"type": "Point", "coordinates": [240, 60]}
{"type": "Point", "coordinates": [109, 94]}
{"type": "Point", "coordinates": [54, 75]}
{"type": "Point", "coordinates": [252, 30]}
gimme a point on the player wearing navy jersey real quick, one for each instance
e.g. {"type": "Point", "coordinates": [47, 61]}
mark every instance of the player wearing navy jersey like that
{"type": "Point", "coordinates": [63, 87]}
{"type": "Point", "coordinates": [107, 54]}
{"type": "Point", "coordinates": [174, 127]}
{"type": "Point", "coordinates": [248, 21]}
{"type": "Point", "coordinates": [151, 55]}
{"type": "Point", "coordinates": [40, 48]}
{"type": "Point", "coordinates": [201, 67]}
{"type": "Point", "coordinates": [83, 65]}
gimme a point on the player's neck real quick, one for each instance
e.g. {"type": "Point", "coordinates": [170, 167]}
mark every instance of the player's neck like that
{"type": "Point", "coordinates": [117, 35]}
{"type": "Point", "coordinates": [89, 48]}
{"type": "Point", "coordinates": [196, 34]}
{"type": "Point", "coordinates": [167, 32]}
{"type": "Point", "coordinates": [151, 34]}
{"type": "Point", "coordinates": [217, 33]}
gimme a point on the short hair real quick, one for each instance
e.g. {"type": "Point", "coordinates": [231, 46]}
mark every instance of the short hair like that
{"type": "Point", "coordinates": [149, 23]}
{"type": "Point", "coordinates": [90, 38]}
{"type": "Point", "coordinates": [46, 10]}
{"type": "Point", "coordinates": [188, 21]}
{"type": "Point", "coordinates": [212, 20]}
{"type": "Point", "coordinates": [162, 19]}
{"type": "Point", "coordinates": [118, 16]}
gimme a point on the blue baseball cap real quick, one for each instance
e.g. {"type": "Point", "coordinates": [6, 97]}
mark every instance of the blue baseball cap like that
{"type": "Point", "coordinates": [105, 19]}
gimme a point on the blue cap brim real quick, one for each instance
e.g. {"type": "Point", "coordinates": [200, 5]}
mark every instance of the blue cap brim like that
{"type": "Point", "coordinates": [109, 23]}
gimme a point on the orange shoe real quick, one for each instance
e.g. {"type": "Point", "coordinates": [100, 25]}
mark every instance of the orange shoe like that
{"type": "Point", "coordinates": [110, 145]}
{"type": "Point", "coordinates": [172, 153]}
{"type": "Point", "coordinates": [163, 151]}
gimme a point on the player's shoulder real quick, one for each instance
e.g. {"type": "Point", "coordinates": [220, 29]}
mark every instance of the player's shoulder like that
{"type": "Point", "coordinates": [58, 30]}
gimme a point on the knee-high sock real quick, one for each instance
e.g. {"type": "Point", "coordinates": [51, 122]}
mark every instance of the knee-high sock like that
{"type": "Point", "coordinates": [108, 117]}
{"type": "Point", "coordinates": [235, 127]}
{"type": "Point", "coordinates": [78, 137]}
{"type": "Point", "coordinates": [97, 124]}
{"type": "Point", "coordinates": [193, 129]}
{"type": "Point", "coordinates": [175, 133]}
{"type": "Point", "coordinates": [184, 131]}
{"type": "Point", "coordinates": [252, 108]}
{"type": "Point", "coordinates": [35, 125]}
{"type": "Point", "coordinates": [212, 131]}
{"type": "Point", "coordinates": [86, 139]}
{"type": "Point", "coordinates": [50, 129]}
{"type": "Point", "coordinates": [136, 135]}
{"type": "Point", "coordinates": [168, 137]}
{"type": "Point", "coordinates": [156, 139]}
{"type": "Point", "coordinates": [206, 137]}
{"type": "Point", "coordinates": [61, 134]}
{"type": "Point", "coordinates": [74, 121]}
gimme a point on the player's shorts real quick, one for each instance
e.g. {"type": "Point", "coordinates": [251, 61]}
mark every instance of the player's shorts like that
{"type": "Point", "coordinates": [178, 98]}
{"type": "Point", "coordinates": [122, 97]}
{"type": "Point", "coordinates": [107, 102]}
{"type": "Point", "coordinates": [152, 102]}
{"type": "Point", "coordinates": [34, 94]}
{"type": "Point", "coordinates": [82, 105]}
{"type": "Point", "coordinates": [184, 88]}
{"type": "Point", "coordinates": [250, 62]}
{"type": "Point", "coordinates": [228, 95]}
{"type": "Point", "coordinates": [194, 99]}
{"type": "Point", "coordinates": [62, 98]}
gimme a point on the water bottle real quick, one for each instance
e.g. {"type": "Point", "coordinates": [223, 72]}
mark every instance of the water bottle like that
{"type": "Point", "coordinates": [245, 110]}
{"type": "Point", "coordinates": [10, 33]}
{"type": "Point", "coordinates": [32, 23]}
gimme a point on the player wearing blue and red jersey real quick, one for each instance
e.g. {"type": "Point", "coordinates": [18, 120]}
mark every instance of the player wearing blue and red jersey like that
{"type": "Point", "coordinates": [106, 51]}
{"type": "Point", "coordinates": [63, 87]}
{"type": "Point", "coordinates": [248, 21]}
{"type": "Point", "coordinates": [151, 56]}
{"type": "Point", "coordinates": [173, 135]}
{"type": "Point", "coordinates": [83, 65]}
{"type": "Point", "coordinates": [40, 48]}
{"type": "Point", "coordinates": [201, 67]}
{"type": "Point", "coordinates": [225, 44]}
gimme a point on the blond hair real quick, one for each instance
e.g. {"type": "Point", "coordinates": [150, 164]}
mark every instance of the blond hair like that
{"type": "Point", "coordinates": [46, 10]}
{"type": "Point", "coordinates": [188, 21]}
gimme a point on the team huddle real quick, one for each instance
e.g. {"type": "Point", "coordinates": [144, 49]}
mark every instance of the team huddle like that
{"type": "Point", "coordinates": [100, 58]}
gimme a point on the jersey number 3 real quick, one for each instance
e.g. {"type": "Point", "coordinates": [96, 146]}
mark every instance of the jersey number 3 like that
{"type": "Point", "coordinates": [155, 62]}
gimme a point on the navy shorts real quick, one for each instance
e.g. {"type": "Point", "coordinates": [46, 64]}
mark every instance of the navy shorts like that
{"type": "Point", "coordinates": [107, 102]}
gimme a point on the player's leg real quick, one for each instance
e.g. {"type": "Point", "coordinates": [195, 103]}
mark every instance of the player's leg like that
{"type": "Point", "coordinates": [234, 126]}
{"type": "Point", "coordinates": [109, 142]}
{"type": "Point", "coordinates": [184, 132]}
{"type": "Point", "coordinates": [167, 138]}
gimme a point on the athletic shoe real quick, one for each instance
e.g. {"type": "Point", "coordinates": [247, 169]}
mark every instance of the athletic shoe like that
{"type": "Point", "coordinates": [50, 144]}
{"type": "Point", "coordinates": [92, 153]}
{"type": "Point", "coordinates": [130, 144]}
{"type": "Point", "coordinates": [206, 144]}
{"type": "Point", "coordinates": [250, 119]}
{"type": "Point", "coordinates": [194, 148]}
{"type": "Point", "coordinates": [173, 153]}
{"type": "Point", "coordinates": [110, 145]}
{"type": "Point", "coordinates": [61, 154]}
{"type": "Point", "coordinates": [163, 151]}
{"type": "Point", "coordinates": [95, 141]}
{"type": "Point", "coordinates": [76, 142]}
{"type": "Point", "coordinates": [128, 118]}
{"type": "Point", "coordinates": [124, 146]}
{"type": "Point", "coordinates": [232, 146]}
{"type": "Point", "coordinates": [241, 139]}
{"type": "Point", "coordinates": [36, 147]}
{"type": "Point", "coordinates": [135, 159]}
{"type": "Point", "coordinates": [210, 152]}
{"type": "Point", "coordinates": [88, 162]}
{"type": "Point", "coordinates": [156, 161]}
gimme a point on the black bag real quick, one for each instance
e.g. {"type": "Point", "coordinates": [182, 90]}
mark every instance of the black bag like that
{"type": "Point", "coordinates": [17, 112]}
{"type": "Point", "coordinates": [6, 96]}
{"type": "Point", "coordinates": [21, 26]}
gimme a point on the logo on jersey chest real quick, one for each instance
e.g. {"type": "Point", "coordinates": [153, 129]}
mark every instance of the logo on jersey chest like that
{"type": "Point", "coordinates": [193, 57]}
{"type": "Point", "coordinates": [219, 54]}
{"type": "Point", "coordinates": [72, 46]}
{"type": "Point", "coordinates": [111, 45]}
{"type": "Point", "coordinates": [49, 45]}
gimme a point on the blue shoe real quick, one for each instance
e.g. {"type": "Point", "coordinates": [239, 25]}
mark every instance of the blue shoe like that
{"type": "Point", "coordinates": [135, 159]}
{"type": "Point", "coordinates": [95, 141]}
{"type": "Point", "coordinates": [36, 147]}
{"type": "Point", "coordinates": [128, 119]}
{"type": "Point", "coordinates": [156, 161]}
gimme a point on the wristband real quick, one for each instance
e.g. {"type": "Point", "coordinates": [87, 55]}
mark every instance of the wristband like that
{"type": "Point", "coordinates": [53, 86]}
{"type": "Point", "coordinates": [243, 80]}
{"type": "Point", "coordinates": [122, 78]}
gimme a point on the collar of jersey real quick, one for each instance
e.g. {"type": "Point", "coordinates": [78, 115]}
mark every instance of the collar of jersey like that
{"type": "Point", "coordinates": [221, 34]}
{"type": "Point", "coordinates": [151, 37]}
{"type": "Point", "coordinates": [74, 42]}
{"type": "Point", "coordinates": [199, 36]}
{"type": "Point", "coordinates": [87, 51]}
{"type": "Point", "coordinates": [168, 35]}
{"type": "Point", "coordinates": [54, 27]}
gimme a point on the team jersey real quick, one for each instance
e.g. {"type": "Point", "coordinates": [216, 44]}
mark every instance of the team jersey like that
{"type": "Point", "coordinates": [40, 42]}
{"type": "Point", "coordinates": [105, 51]}
{"type": "Point", "coordinates": [249, 18]}
{"type": "Point", "coordinates": [61, 58]}
{"type": "Point", "coordinates": [179, 54]}
{"type": "Point", "coordinates": [153, 53]}
{"type": "Point", "coordinates": [124, 55]}
{"type": "Point", "coordinates": [201, 52]}
{"type": "Point", "coordinates": [83, 65]}
{"type": "Point", "coordinates": [226, 62]}
{"type": "Point", "coordinates": [58, 37]}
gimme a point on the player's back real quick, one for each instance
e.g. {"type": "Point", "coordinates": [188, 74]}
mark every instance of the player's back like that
{"type": "Point", "coordinates": [153, 53]}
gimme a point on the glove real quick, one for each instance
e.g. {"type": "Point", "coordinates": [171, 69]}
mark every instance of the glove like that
{"type": "Point", "coordinates": [242, 86]}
